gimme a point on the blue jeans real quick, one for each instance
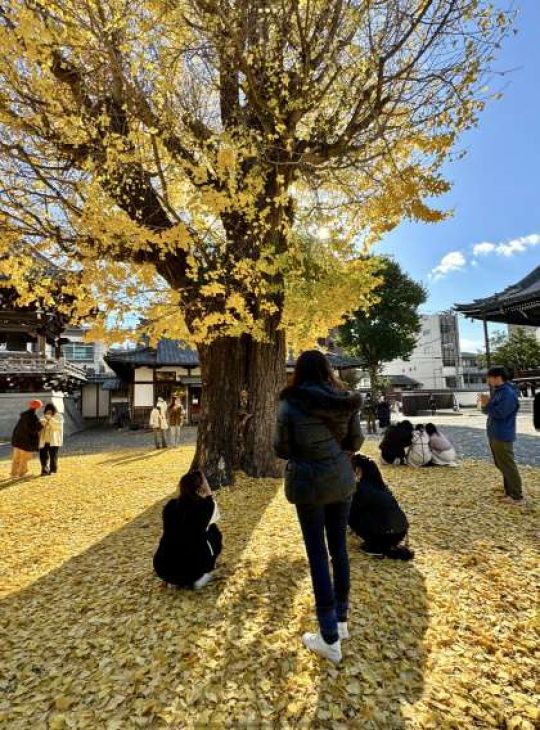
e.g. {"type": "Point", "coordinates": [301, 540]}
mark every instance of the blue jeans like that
{"type": "Point", "coordinates": [331, 597]}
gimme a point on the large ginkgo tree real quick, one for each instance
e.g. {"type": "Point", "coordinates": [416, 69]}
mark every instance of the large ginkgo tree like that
{"type": "Point", "coordinates": [220, 167]}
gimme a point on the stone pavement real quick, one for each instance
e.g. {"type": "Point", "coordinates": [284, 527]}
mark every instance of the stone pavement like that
{"type": "Point", "coordinates": [467, 431]}
{"type": "Point", "coordinates": [110, 439]}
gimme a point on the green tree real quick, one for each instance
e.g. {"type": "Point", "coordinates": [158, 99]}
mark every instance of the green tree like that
{"type": "Point", "coordinates": [387, 330]}
{"type": "Point", "coordinates": [517, 351]}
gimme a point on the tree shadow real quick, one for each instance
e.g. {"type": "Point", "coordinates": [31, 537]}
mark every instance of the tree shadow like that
{"type": "Point", "coordinates": [100, 635]}
{"type": "Point", "coordinates": [15, 481]}
{"type": "Point", "coordinates": [140, 456]}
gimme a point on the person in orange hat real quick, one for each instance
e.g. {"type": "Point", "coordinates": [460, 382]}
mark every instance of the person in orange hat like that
{"type": "Point", "coordinates": [25, 438]}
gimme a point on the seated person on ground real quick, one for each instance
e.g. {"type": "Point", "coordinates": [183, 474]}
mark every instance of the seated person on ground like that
{"type": "Point", "coordinates": [419, 453]}
{"type": "Point", "coordinates": [191, 541]}
{"type": "Point", "coordinates": [375, 514]}
{"type": "Point", "coordinates": [396, 440]}
{"type": "Point", "coordinates": [442, 451]}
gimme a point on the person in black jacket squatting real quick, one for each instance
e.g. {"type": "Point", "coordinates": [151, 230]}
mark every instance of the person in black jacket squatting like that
{"type": "Point", "coordinates": [375, 515]}
{"type": "Point", "coordinates": [191, 540]}
{"type": "Point", "coordinates": [318, 427]}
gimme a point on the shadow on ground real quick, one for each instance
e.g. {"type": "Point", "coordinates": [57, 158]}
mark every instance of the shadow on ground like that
{"type": "Point", "coordinates": [101, 632]}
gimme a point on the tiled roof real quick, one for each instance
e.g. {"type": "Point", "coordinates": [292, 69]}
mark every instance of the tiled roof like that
{"type": "Point", "coordinates": [173, 352]}
{"type": "Point", "coordinates": [517, 304]}
{"type": "Point", "coordinates": [401, 380]}
{"type": "Point", "coordinates": [338, 362]}
{"type": "Point", "coordinates": [168, 352]}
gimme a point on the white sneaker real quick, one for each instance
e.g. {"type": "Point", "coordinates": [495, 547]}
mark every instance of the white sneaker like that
{"type": "Point", "coordinates": [203, 581]}
{"type": "Point", "coordinates": [343, 630]}
{"type": "Point", "coordinates": [316, 643]}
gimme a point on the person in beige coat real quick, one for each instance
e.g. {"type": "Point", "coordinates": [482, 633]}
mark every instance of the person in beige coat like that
{"type": "Point", "coordinates": [158, 423]}
{"type": "Point", "coordinates": [51, 438]}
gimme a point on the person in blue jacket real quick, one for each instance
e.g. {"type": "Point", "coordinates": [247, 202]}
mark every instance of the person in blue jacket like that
{"type": "Point", "coordinates": [501, 409]}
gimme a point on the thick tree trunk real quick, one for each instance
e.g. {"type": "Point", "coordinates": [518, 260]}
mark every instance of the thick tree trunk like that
{"type": "Point", "coordinates": [241, 381]}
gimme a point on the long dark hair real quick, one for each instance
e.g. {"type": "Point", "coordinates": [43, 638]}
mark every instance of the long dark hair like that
{"type": "Point", "coordinates": [313, 367]}
{"type": "Point", "coordinates": [370, 471]}
{"type": "Point", "coordinates": [190, 484]}
{"type": "Point", "coordinates": [431, 429]}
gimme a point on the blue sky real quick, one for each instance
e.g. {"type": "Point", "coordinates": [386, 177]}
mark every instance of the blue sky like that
{"type": "Point", "coordinates": [495, 194]}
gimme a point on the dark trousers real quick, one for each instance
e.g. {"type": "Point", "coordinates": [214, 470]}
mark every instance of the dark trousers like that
{"type": "Point", "coordinates": [48, 456]}
{"type": "Point", "coordinates": [503, 456]}
{"type": "Point", "coordinates": [371, 423]}
{"type": "Point", "coordinates": [157, 433]}
{"type": "Point", "coordinates": [331, 597]}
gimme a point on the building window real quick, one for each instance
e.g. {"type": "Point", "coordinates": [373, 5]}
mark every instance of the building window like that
{"type": "Point", "coordinates": [78, 352]}
{"type": "Point", "coordinates": [451, 381]}
{"type": "Point", "coordinates": [449, 339]}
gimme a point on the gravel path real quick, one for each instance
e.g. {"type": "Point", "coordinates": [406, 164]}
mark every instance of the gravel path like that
{"type": "Point", "coordinates": [468, 433]}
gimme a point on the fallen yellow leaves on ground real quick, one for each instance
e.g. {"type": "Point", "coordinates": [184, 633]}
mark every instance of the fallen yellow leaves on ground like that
{"type": "Point", "coordinates": [91, 639]}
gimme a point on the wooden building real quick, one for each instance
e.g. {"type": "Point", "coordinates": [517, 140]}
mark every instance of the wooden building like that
{"type": "Point", "coordinates": [150, 373]}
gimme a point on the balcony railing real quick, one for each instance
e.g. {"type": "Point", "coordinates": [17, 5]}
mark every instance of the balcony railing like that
{"type": "Point", "coordinates": [27, 364]}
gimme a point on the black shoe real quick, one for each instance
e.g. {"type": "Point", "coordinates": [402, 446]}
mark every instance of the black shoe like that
{"type": "Point", "coordinates": [372, 553]}
{"type": "Point", "coordinates": [400, 553]}
{"type": "Point", "coordinates": [44, 473]}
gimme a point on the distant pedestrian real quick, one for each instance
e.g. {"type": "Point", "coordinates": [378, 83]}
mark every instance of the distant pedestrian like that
{"type": "Point", "coordinates": [176, 415]}
{"type": "Point", "coordinates": [502, 408]}
{"type": "Point", "coordinates": [383, 412]}
{"type": "Point", "coordinates": [25, 439]}
{"type": "Point", "coordinates": [369, 413]}
{"type": "Point", "coordinates": [51, 438]}
{"type": "Point", "coordinates": [536, 411]}
{"type": "Point", "coordinates": [158, 423]}
{"type": "Point", "coordinates": [432, 405]}
{"type": "Point", "coordinates": [318, 427]}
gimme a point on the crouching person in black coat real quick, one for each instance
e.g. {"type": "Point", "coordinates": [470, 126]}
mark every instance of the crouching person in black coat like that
{"type": "Point", "coordinates": [375, 514]}
{"type": "Point", "coordinates": [191, 540]}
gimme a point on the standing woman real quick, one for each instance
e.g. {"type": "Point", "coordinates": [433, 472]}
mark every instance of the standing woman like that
{"type": "Point", "coordinates": [25, 438]}
{"type": "Point", "coordinates": [158, 423]}
{"type": "Point", "coordinates": [318, 428]}
{"type": "Point", "coordinates": [176, 420]}
{"type": "Point", "coordinates": [51, 438]}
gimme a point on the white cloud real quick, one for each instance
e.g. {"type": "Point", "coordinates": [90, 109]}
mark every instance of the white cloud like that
{"type": "Point", "coordinates": [471, 345]}
{"type": "Point", "coordinates": [514, 246]}
{"type": "Point", "coordinates": [518, 245]}
{"type": "Point", "coordinates": [453, 261]}
{"type": "Point", "coordinates": [481, 249]}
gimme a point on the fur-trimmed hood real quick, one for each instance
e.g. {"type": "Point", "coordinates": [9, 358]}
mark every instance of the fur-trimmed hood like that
{"type": "Point", "coordinates": [321, 400]}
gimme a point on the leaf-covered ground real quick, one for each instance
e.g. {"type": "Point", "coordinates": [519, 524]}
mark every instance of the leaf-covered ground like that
{"type": "Point", "coordinates": [90, 638]}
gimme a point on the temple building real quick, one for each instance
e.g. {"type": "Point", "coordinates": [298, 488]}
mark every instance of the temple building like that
{"type": "Point", "coordinates": [172, 369]}
{"type": "Point", "coordinates": [31, 360]}
{"type": "Point", "coordinates": [517, 305]}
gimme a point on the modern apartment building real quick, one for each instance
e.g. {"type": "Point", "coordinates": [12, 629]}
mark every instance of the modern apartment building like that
{"type": "Point", "coordinates": [436, 359]}
{"type": "Point", "coordinates": [86, 354]}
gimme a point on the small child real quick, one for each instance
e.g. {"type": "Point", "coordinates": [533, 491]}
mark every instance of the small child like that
{"type": "Point", "coordinates": [375, 514]}
{"type": "Point", "coordinates": [191, 540]}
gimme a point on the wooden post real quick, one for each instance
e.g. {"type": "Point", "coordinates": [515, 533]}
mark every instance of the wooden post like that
{"type": "Point", "coordinates": [486, 340]}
